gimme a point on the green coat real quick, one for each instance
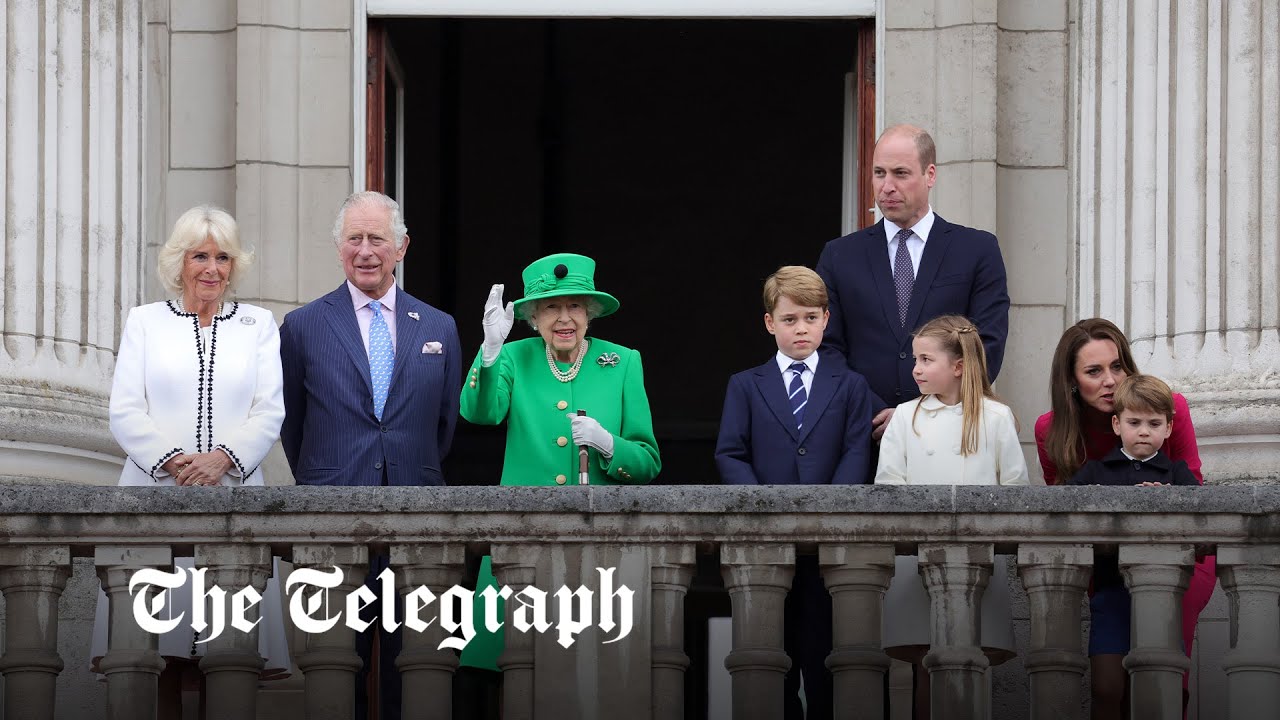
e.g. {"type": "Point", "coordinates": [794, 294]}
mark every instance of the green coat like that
{"type": "Point", "coordinates": [520, 389]}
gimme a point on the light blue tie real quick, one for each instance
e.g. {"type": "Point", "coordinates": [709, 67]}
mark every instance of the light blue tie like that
{"type": "Point", "coordinates": [382, 358]}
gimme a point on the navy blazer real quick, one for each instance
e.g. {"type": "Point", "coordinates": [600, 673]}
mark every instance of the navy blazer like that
{"type": "Point", "coordinates": [961, 273]}
{"type": "Point", "coordinates": [330, 434]}
{"type": "Point", "coordinates": [759, 443]}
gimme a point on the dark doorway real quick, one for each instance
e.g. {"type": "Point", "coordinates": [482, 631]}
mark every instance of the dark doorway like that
{"type": "Point", "coordinates": [690, 158]}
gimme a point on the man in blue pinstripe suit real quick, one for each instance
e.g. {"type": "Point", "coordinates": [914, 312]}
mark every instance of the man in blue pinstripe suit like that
{"type": "Point", "coordinates": [334, 431]}
{"type": "Point", "coordinates": [372, 378]}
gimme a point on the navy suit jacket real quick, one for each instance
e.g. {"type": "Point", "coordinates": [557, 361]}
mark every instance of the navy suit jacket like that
{"type": "Point", "coordinates": [330, 434]}
{"type": "Point", "coordinates": [961, 273]}
{"type": "Point", "coordinates": [759, 443]}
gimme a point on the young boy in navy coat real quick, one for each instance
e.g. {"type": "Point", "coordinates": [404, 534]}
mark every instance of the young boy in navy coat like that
{"type": "Point", "coordinates": [1143, 420]}
{"type": "Point", "coordinates": [792, 421]}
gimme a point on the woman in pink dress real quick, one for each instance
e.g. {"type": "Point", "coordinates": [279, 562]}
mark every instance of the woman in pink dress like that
{"type": "Point", "coordinates": [1092, 357]}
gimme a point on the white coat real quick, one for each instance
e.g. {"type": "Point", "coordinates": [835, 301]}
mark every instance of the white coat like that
{"type": "Point", "coordinates": [929, 454]}
{"type": "Point", "coordinates": [171, 395]}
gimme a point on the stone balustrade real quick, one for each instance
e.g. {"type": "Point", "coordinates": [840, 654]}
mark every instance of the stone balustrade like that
{"type": "Point", "coordinates": [549, 537]}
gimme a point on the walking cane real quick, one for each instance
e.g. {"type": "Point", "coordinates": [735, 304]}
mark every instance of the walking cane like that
{"type": "Point", "coordinates": [584, 470]}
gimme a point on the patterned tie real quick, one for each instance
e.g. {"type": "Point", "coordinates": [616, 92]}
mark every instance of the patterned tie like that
{"type": "Point", "coordinates": [903, 275]}
{"type": "Point", "coordinates": [797, 394]}
{"type": "Point", "coordinates": [382, 359]}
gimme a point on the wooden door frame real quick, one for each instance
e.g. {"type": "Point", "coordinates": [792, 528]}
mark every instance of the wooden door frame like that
{"type": "Point", "coordinates": [868, 80]}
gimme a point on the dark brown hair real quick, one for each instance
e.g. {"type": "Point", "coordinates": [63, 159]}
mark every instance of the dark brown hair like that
{"type": "Point", "coordinates": [1064, 443]}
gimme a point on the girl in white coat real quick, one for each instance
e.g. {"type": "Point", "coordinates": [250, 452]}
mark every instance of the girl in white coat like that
{"type": "Point", "coordinates": [955, 433]}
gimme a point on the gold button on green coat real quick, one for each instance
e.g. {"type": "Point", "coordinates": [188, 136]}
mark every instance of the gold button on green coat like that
{"type": "Point", "coordinates": [520, 390]}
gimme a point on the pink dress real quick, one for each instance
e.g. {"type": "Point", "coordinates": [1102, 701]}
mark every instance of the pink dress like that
{"type": "Point", "coordinates": [1181, 446]}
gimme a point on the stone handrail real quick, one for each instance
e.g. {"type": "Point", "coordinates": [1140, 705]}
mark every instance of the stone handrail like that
{"type": "Point", "coordinates": [533, 534]}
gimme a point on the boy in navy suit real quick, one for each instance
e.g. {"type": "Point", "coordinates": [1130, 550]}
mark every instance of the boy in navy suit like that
{"type": "Point", "coordinates": [1143, 420]}
{"type": "Point", "coordinates": [792, 421]}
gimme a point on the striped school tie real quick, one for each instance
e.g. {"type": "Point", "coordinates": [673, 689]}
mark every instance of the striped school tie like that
{"type": "Point", "coordinates": [799, 398]}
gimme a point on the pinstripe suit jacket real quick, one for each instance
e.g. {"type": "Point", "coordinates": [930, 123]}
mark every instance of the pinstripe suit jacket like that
{"type": "Point", "coordinates": [330, 434]}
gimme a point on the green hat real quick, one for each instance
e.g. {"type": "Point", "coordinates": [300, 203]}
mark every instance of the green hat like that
{"type": "Point", "coordinates": [564, 274]}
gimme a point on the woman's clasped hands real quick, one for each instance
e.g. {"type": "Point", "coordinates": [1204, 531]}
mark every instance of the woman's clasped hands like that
{"type": "Point", "coordinates": [198, 468]}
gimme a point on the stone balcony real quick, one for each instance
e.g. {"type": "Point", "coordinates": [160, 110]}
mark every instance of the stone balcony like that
{"type": "Point", "coordinates": [549, 537]}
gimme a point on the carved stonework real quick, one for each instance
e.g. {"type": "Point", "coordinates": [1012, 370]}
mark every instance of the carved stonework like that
{"type": "Point", "coordinates": [70, 203]}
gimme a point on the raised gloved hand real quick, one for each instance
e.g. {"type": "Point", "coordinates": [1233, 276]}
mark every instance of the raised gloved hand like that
{"type": "Point", "coordinates": [497, 325]}
{"type": "Point", "coordinates": [587, 431]}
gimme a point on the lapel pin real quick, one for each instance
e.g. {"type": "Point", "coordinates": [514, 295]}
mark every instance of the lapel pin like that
{"type": "Point", "coordinates": [608, 359]}
{"type": "Point", "coordinates": [413, 315]}
{"type": "Point", "coordinates": [247, 320]}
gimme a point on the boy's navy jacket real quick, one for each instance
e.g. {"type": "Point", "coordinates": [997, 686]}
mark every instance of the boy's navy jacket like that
{"type": "Point", "coordinates": [759, 443]}
{"type": "Point", "coordinates": [1117, 469]}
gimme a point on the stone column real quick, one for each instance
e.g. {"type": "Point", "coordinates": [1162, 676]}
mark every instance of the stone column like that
{"type": "Point", "coordinates": [31, 580]}
{"type": "Point", "coordinates": [516, 566]}
{"type": "Point", "coordinates": [1178, 159]}
{"type": "Point", "coordinates": [231, 664]}
{"type": "Point", "coordinates": [670, 574]}
{"type": "Point", "coordinates": [1157, 576]}
{"type": "Point", "coordinates": [956, 576]}
{"type": "Point", "coordinates": [857, 576]}
{"type": "Point", "coordinates": [426, 670]}
{"type": "Point", "coordinates": [330, 662]}
{"type": "Point", "coordinates": [132, 663]}
{"type": "Point", "coordinates": [1056, 578]}
{"type": "Point", "coordinates": [1251, 577]}
{"type": "Point", "coordinates": [757, 577]}
{"type": "Point", "coordinates": [289, 138]}
{"type": "Point", "coordinates": [69, 201]}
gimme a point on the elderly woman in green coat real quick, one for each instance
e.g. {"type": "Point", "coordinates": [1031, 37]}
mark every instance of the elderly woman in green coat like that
{"type": "Point", "coordinates": [538, 384]}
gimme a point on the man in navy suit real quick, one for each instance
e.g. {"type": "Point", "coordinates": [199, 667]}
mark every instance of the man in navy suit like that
{"type": "Point", "coordinates": [372, 378]}
{"type": "Point", "coordinates": [798, 419]}
{"type": "Point", "coordinates": [888, 279]}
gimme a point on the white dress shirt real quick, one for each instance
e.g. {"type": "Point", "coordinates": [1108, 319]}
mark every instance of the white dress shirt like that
{"type": "Point", "coordinates": [915, 243]}
{"type": "Point", "coordinates": [364, 313]}
{"type": "Point", "coordinates": [784, 364]}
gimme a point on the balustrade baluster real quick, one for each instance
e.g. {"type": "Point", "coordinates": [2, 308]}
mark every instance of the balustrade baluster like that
{"type": "Point", "coordinates": [671, 573]}
{"type": "Point", "coordinates": [1056, 578]}
{"type": "Point", "coordinates": [757, 578]}
{"type": "Point", "coordinates": [31, 579]}
{"type": "Point", "coordinates": [232, 663]}
{"type": "Point", "coordinates": [330, 662]}
{"type": "Point", "coordinates": [426, 671]}
{"type": "Point", "coordinates": [857, 577]}
{"type": "Point", "coordinates": [1251, 577]}
{"type": "Point", "coordinates": [1157, 576]}
{"type": "Point", "coordinates": [132, 663]}
{"type": "Point", "coordinates": [956, 575]}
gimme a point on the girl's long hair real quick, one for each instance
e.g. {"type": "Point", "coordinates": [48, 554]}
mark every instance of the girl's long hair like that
{"type": "Point", "coordinates": [958, 337]}
{"type": "Point", "coordinates": [1064, 443]}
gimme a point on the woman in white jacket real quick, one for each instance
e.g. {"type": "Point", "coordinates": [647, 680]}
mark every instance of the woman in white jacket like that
{"type": "Point", "coordinates": [197, 400]}
{"type": "Point", "coordinates": [955, 433]}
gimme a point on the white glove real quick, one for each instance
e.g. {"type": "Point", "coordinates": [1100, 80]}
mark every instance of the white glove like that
{"type": "Point", "coordinates": [587, 431]}
{"type": "Point", "coordinates": [497, 325]}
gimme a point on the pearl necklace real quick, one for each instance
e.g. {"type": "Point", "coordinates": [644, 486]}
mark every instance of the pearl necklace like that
{"type": "Point", "coordinates": [572, 373]}
{"type": "Point", "coordinates": [182, 307]}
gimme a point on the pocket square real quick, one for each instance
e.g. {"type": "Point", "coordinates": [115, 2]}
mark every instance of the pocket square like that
{"type": "Point", "coordinates": [432, 348]}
